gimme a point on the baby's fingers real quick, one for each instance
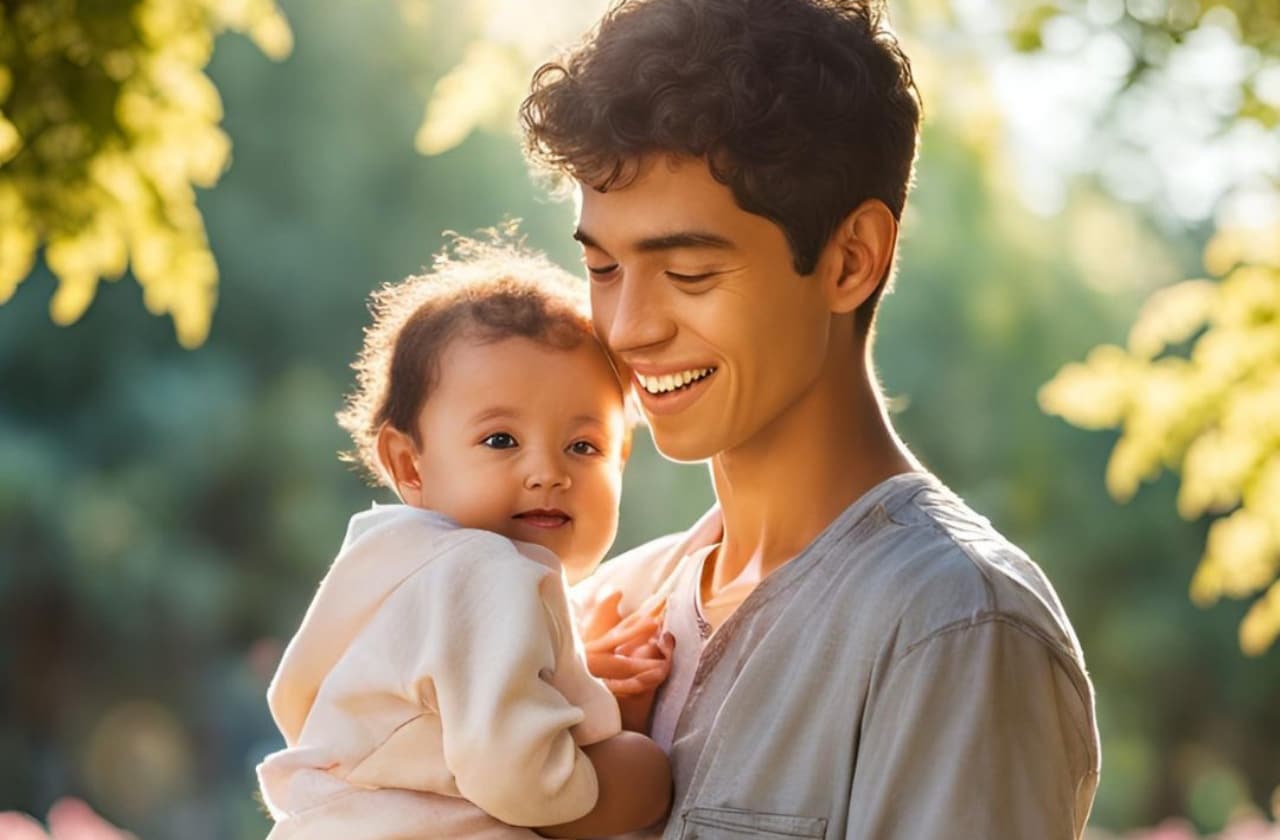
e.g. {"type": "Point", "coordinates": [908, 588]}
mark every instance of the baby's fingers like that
{"type": "Point", "coordinates": [625, 633]}
{"type": "Point", "coordinates": [654, 647]}
{"type": "Point", "coordinates": [639, 684]}
{"type": "Point", "coordinates": [609, 666]}
{"type": "Point", "coordinates": [657, 673]}
{"type": "Point", "coordinates": [641, 649]}
{"type": "Point", "coordinates": [602, 617]}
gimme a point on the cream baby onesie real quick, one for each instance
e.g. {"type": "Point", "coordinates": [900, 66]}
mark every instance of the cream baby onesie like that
{"type": "Point", "coordinates": [436, 688]}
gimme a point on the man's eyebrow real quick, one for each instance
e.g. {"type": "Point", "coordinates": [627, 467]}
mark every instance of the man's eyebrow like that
{"type": "Point", "coordinates": [668, 241]}
{"type": "Point", "coordinates": [586, 239]}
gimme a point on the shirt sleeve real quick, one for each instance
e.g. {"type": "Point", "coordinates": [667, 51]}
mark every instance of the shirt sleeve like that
{"type": "Point", "coordinates": [980, 730]}
{"type": "Point", "coordinates": [507, 732]}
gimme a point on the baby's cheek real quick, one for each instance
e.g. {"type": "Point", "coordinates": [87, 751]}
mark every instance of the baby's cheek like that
{"type": "Point", "coordinates": [599, 528]}
{"type": "Point", "coordinates": [482, 510]}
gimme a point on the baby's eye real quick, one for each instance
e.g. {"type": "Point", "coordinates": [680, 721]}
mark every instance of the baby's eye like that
{"type": "Point", "coordinates": [499, 440]}
{"type": "Point", "coordinates": [584, 447]}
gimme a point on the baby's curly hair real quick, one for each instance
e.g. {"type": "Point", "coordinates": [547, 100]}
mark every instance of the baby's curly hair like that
{"type": "Point", "coordinates": [488, 289]}
{"type": "Point", "coordinates": [803, 108]}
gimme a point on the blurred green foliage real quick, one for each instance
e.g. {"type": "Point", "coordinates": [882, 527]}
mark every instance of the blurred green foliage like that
{"type": "Point", "coordinates": [1153, 29]}
{"type": "Point", "coordinates": [1212, 414]}
{"type": "Point", "coordinates": [165, 514]}
{"type": "Point", "coordinates": [1197, 389]}
{"type": "Point", "coordinates": [107, 123]}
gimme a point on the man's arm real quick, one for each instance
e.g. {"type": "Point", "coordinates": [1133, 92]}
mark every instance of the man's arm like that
{"type": "Point", "coordinates": [635, 788]}
{"type": "Point", "coordinates": [982, 729]}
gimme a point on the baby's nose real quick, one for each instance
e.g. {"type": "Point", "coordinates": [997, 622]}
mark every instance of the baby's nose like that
{"type": "Point", "coordinates": [547, 473]}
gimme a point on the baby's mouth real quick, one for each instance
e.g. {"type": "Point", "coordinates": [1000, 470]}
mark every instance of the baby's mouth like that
{"type": "Point", "coordinates": [544, 517]}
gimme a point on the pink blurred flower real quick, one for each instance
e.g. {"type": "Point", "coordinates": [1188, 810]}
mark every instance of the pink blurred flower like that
{"type": "Point", "coordinates": [69, 819]}
{"type": "Point", "coordinates": [1251, 828]}
{"type": "Point", "coordinates": [1175, 828]}
{"type": "Point", "coordinates": [1171, 829]}
{"type": "Point", "coordinates": [15, 826]}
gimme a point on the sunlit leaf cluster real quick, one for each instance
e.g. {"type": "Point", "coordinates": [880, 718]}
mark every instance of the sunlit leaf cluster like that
{"type": "Point", "coordinates": [507, 39]}
{"type": "Point", "coordinates": [107, 125]}
{"type": "Point", "coordinates": [1153, 29]}
{"type": "Point", "coordinates": [1197, 390]}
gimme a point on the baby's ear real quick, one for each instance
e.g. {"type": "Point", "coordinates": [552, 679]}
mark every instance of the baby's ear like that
{"type": "Point", "coordinates": [397, 455]}
{"type": "Point", "coordinates": [627, 435]}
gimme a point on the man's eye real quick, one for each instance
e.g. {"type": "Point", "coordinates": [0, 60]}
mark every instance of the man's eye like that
{"type": "Point", "coordinates": [584, 447]}
{"type": "Point", "coordinates": [602, 271]}
{"type": "Point", "coordinates": [690, 278]}
{"type": "Point", "coordinates": [499, 440]}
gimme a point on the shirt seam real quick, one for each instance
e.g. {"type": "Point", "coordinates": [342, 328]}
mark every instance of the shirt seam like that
{"type": "Point", "coordinates": [1075, 673]}
{"type": "Point", "coordinates": [1062, 659]}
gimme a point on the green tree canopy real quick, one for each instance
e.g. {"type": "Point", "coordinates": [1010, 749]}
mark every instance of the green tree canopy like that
{"type": "Point", "coordinates": [1197, 388]}
{"type": "Point", "coordinates": [107, 124]}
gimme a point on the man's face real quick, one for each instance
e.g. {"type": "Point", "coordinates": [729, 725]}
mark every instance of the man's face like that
{"type": "Point", "coordinates": [700, 304]}
{"type": "Point", "coordinates": [527, 441]}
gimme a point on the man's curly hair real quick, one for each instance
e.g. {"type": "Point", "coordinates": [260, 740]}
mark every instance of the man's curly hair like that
{"type": "Point", "coordinates": [803, 108]}
{"type": "Point", "coordinates": [487, 290]}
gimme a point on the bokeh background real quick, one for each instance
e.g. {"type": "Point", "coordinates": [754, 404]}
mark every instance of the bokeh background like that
{"type": "Point", "coordinates": [169, 486]}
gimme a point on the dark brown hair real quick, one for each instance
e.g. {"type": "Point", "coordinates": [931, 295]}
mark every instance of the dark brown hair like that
{"type": "Point", "coordinates": [486, 290]}
{"type": "Point", "coordinates": [803, 108]}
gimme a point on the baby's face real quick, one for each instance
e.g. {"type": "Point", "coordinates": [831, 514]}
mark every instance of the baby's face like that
{"type": "Point", "coordinates": [527, 440]}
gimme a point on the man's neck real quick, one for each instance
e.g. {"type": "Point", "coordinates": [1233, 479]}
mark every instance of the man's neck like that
{"type": "Point", "coordinates": [779, 490]}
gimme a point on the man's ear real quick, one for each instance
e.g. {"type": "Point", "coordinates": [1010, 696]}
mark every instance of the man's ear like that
{"type": "Point", "coordinates": [860, 253]}
{"type": "Point", "coordinates": [398, 456]}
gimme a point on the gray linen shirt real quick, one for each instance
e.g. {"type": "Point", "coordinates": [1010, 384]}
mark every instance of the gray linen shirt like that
{"type": "Point", "coordinates": [910, 675]}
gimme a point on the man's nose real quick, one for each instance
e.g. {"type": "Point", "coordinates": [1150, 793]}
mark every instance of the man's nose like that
{"type": "Point", "coordinates": [630, 315]}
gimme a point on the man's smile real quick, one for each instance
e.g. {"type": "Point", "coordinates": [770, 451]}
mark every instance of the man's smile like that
{"type": "Point", "coordinates": [672, 392]}
{"type": "Point", "coordinates": [672, 381]}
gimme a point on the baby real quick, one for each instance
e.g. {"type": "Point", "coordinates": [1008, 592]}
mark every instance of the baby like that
{"type": "Point", "coordinates": [436, 687]}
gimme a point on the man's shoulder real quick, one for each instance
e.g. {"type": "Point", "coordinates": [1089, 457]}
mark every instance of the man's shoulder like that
{"type": "Point", "coordinates": [940, 566]}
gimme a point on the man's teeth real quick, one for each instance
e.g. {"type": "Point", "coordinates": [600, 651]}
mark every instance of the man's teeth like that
{"type": "Point", "coordinates": [671, 381]}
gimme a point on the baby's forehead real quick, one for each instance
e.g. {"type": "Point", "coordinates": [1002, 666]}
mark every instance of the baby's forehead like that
{"type": "Point", "coordinates": [535, 356]}
{"type": "Point", "coordinates": [516, 376]}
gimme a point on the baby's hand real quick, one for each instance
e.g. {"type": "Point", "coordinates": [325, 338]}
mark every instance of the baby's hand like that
{"type": "Point", "coordinates": [604, 627]}
{"type": "Point", "coordinates": [636, 708]}
{"type": "Point", "coordinates": [628, 654]}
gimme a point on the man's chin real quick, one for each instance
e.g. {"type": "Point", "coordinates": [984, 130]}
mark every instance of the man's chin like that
{"type": "Point", "coordinates": [683, 448]}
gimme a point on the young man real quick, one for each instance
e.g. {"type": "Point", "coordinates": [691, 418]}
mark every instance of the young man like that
{"type": "Point", "coordinates": [857, 653]}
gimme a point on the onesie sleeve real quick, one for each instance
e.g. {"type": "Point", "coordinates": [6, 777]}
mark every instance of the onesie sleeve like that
{"type": "Point", "coordinates": [491, 644]}
{"type": "Point", "coordinates": [579, 686]}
